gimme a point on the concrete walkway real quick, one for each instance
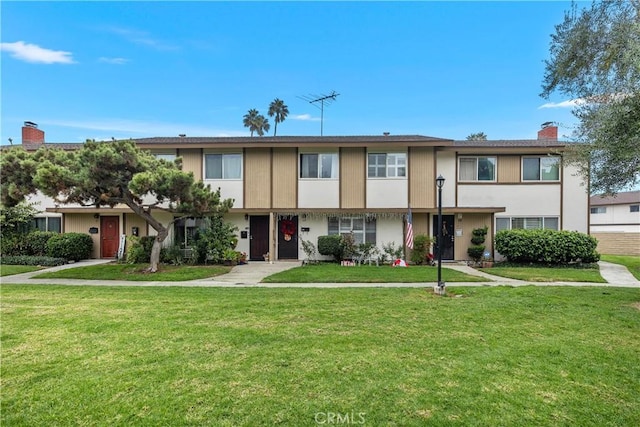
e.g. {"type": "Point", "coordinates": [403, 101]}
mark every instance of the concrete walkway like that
{"type": "Point", "coordinates": [251, 274]}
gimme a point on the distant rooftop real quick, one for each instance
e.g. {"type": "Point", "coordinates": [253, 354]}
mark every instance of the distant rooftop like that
{"type": "Point", "coordinates": [625, 198]}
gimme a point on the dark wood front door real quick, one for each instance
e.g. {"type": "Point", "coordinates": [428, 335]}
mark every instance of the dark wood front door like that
{"type": "Point", "coordinates": [448, 237]}
{"type": "Point", "coordinates": [109, 236]}
{"type": "Point", "coordinates": [288, 238]}
{"type": "Point", "coordinates": [259, 237]}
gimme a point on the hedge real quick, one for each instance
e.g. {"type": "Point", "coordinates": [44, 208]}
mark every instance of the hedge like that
{"type": "Point", "coordinates": [546, 246]}
{"type": "Point", "coordinates": [331, 245]}
{"type": "Point", "coordinates": [44, 261]}
{"type": "Point", "coordinates": [70, 246]}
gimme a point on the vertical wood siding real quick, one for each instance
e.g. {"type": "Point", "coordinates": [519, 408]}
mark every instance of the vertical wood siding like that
{"type": "Point", "coordinates": [257, 174]}
{"type": "Point", "coordinates": [80, 223]}
{"type": "Point", "coordinates": [508, 169]}
{"type": "Point", "coordinates": [353, 184]}
{"type": "Point", "coordinates": [285, 178]}
{"type": "Point", "coordinates": [421, 177]}
{"type": "Point", "coordinates": [192, 161]}
{"type": "Point", "coordinates": [468, 223]}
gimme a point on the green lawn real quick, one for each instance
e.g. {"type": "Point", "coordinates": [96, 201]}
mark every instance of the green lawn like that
{"type": "Point", "coordinates": [135, 272]}
{"type": "Point", "coordinates": [8, 270]}
{"type": "Point", "coordinates": [631, 262]}
{"type": "Point", "coordinates": [335, 273]}
{"type": "Point", "coordinates": [547, 274]}
{"type": "Point", "coordinates": [128, 356]}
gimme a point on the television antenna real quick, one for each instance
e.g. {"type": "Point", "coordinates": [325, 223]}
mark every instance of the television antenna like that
{"type": "Point", "coordinates": [320, 99]}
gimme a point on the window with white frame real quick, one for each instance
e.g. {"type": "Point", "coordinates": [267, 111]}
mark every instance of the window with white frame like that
{"type": "Point", "coordinates": [319, 165]}
{"type": "Point", "coordinates": [48, 223]}
{"type": "Point", "coordinates": [387, 165]}
{"type": "Point", "coordinates": [363, 229]}
{"type": "Point", "coordinates": [170, 157]}
{"type": "Point", "coordinates": [527, 223]}
{"type": "Point", "coordinates": [541, 168]}
{"type": "Point", "coordinates": [477, 169]}
{"type": "Point", "coordinates": [634, 208]}
{"type": "Point", "coordinates": [598, 210]}
{"type": "Point", "coordinates": [223, 166]}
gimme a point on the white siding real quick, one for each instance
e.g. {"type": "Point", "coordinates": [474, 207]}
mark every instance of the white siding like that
{"type": "Point", "coordinates": [387, 193]}
{"type": "Point", "coordinates": [519, 200]}
{"type": "Point", "coordinates": [575, 212]}
{"type": "Point", "coordinates": [318, 193]}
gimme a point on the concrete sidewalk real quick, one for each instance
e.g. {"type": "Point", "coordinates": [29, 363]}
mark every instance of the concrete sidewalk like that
{"type": "Point", "coordinates": [250, 275]}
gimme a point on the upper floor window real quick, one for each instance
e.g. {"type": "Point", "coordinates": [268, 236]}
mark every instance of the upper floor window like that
{"type": "Point", "coordinates": [223, 166]}
{"type": "Point", "coordinates": [540, 168]}
{"type": "Point", "coordinates": [598, 210]}
{"type": "Point", "coordinates": [387, 165]}
{"type": "Point", "coordinates": [363, 229]}
{"type": "Point", "coordinates": [634, 208]}
{"type": "Point", "coordinates": [170, 157]}
{"type": "Point", "coordinates": [324, 165]}
{"type": "Point", "coordinates": [477, 169]}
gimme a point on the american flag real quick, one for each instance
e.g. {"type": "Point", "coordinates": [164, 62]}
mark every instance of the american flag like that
{"type": "Point", "coordinates": [409, 235]}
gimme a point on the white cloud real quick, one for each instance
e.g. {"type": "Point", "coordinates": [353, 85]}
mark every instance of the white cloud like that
{"type": "Point", "coordinates": [117, 61]}
{"type": "Point", "coordinates": [305, 117]}
{"type": "Point", "coordinates": [564, 104]}
{"type": "Point", "coordinates": [142, 38]}
{"type": "Point", "coordinates": [141, 129]}
{"type": "Point", "coordinates": [33, 53]}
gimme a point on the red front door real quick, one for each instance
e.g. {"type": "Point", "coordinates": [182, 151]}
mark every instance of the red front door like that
{"type": "Point", "coordinates": [109, 236]}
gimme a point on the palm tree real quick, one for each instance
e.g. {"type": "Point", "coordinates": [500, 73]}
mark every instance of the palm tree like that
{"type": "Point", "coordinates": [249, 120]}
{"type": "Point", "coordinates": [261, 125]}
{"type": "Point", "coordinates": [280, 110]}
{"type": "Point", "coordinates": [478, 136]}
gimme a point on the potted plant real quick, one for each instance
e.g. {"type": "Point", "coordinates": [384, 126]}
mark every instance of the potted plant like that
{"type": "Point", "coordinates": [230, 257]}
{"type": "Point", "coordinates": [476, 250]}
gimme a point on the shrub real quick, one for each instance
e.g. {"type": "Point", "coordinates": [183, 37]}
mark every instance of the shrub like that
{"type": "Point", "coordinates": [476, 250]}
{"type": "Point", "coordinates": [70, 246]}
{"type": "Point", "coordinates": [391, 252]}
{"type": "Point", "coordinates": [37, 242]}
{"type": "Point", "coordinates": [546, 246]}
{"type": "Point", "coordinates": [14, 245]}
{"type": "Point", "coordinates": [331, 245]}
{"type": "Point", "coordinates": [211, 241]}
{"type": "Point", "coordinates": [44, 261]}
{"type": "Point", "coordinates": [421, 246]}
{"type": "Point", "coordinates": [172, 255]}
{"type": "Point", "coordinates": [139, 249]}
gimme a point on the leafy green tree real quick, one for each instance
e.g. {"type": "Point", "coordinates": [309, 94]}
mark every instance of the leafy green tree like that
{"type": "Point", "coordinates": [278, 109]}
{"type": "Point", "coordinates": [595, 59]}
{"type": "Point", "coordinates": [108, 174]}
{"type": "Point", "coordinates": [478, 136]}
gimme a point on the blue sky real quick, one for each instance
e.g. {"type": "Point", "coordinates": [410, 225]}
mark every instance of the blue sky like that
{"type": "Point", "coordinates": [137, 69]}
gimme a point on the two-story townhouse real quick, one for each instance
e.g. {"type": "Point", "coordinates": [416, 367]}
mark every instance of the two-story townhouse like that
{"type": "Point", "coordinates": [293, 187]}
{"type": "Point", "coordinates": [615, 222]}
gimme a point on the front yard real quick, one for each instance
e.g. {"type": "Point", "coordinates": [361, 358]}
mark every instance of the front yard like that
{"type": "Point", "coordinates": [227, 357]}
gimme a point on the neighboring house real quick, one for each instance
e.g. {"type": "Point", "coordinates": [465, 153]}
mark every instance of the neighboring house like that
{"type": "Point", "coordinates": [615, 222]}
{"type": "Point", "coordinates": [292, 188]}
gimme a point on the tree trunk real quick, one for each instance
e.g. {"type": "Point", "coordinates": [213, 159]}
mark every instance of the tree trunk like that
{"type": "Point", "coordinates": [155, 250]}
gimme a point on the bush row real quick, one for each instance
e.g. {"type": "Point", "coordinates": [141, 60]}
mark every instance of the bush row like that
{"type": "Point", "coordinates": [69, 246]}
{"type": "Point", "coordinates": [45, 261]}
{"type": "Point", "coordinates": [546, 246]}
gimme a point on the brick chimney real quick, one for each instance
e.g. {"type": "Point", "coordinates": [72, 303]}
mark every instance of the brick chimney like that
{"type": "Point", "coordinates": [548, 131]}
{"type": "Point", "coordinates": [31, 134]}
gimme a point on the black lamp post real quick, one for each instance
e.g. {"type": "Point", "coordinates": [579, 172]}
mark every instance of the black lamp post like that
{"type": "Point", "coordinates": [440, 184]}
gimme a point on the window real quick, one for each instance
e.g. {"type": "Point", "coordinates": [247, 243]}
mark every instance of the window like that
{"type": "Point", "coordinates": [477, 169]}
{"type": "Point", "coordinates": [223, 166]}
{"type": "Point", "coordinates": [540, 168]}
{"type": "Point", "coordinates": [185, 230]}
{"type": "Point", "coordinates": [363, 229]}
{"type": "Point", "coordinates": [528, 223]}
{"type": "Point", "coordinates": [48, 223]}
{"type": "Point", "coordinates": [634, 208]}
{"type": "Point", "coordinates": [170, 157]}
{"type": "Point", "coordinates": [598, 210]}
{"type": "Point", "coordinates": [323, 165]}
{"type": "Point", "coordinates": [387, 165]}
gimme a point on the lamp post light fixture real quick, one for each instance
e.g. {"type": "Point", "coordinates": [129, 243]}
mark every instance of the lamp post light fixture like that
{"type": "Point", "coordinates": [440, 184]}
